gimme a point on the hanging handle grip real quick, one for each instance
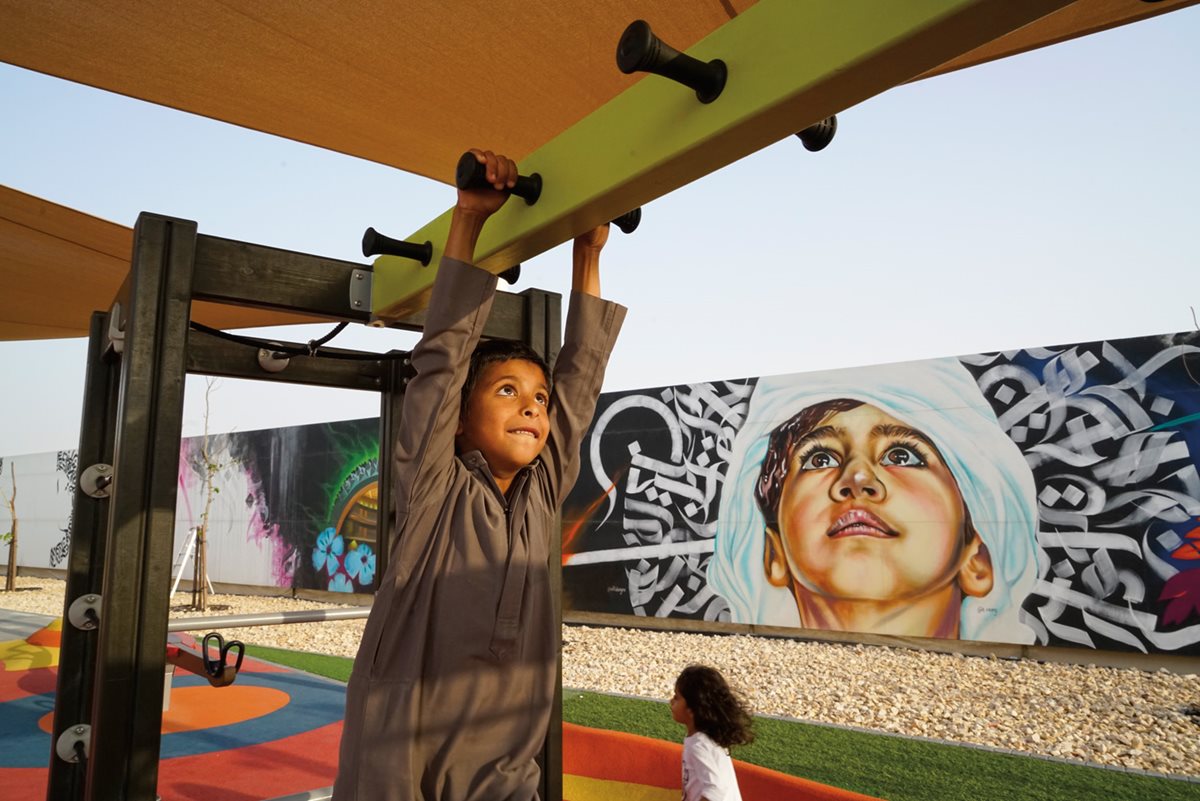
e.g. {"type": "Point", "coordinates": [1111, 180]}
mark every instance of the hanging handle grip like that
{"type": "Point", "coordinates": [470, 174]}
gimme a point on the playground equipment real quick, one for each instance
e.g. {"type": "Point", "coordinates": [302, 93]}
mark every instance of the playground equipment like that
{"type": "Point", "coordinates": [217, 669]}
{"type": "Point", "coordinates": [642, 142]}
{"type": "Point", "coordinates": [138, 355]}
{"type": "Point", "coordinates": [376, 244]}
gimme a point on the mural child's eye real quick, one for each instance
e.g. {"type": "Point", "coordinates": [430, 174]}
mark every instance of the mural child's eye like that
{"type": "Point", "coordinates": [542, 399]}
{"type": "Point", "coordinates": [902, 456]}
{"type": "Point", "coordinates": [818, 459]}
{"type": "Point", "coordinates": [507, 389]}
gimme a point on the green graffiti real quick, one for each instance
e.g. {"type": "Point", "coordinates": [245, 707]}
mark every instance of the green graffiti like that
{"type": "Point", "coordinates": [356, 455]}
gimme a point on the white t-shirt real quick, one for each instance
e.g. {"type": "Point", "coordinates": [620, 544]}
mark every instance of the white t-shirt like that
{"type": "Point", "coordinates": [707, 771]}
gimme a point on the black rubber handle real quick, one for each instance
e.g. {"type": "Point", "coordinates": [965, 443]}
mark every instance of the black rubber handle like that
{"type": "Point", "coordinates": [376, 244]}
{"type": "Point", "coordinates": [818, 135]}
{"type": "Point", "coordinates": [241, 652]}
{"type": "Point", "coordinates": [639, 50]}
{"type": "Point", "coordinates": [470, 174]}
{"type": "Point", "coordinates": [629, 221]}
{"type": "Point", "coordinates": [213, 666]}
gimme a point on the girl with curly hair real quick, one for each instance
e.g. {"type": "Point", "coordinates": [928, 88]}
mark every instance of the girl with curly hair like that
{"type": "Point", "coordinates": [716, 718]}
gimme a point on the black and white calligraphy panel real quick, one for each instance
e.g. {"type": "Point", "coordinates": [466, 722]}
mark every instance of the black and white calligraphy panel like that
{"type": "Point", "coordinates": [639, 524]}
{"type": "Point", "coordinates": [1111, 431]}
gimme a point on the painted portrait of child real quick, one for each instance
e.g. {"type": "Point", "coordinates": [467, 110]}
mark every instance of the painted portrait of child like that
{"type": "Point", "coordinates": [884, 500]}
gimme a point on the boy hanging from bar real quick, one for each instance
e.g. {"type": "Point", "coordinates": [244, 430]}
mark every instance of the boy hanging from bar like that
{"type": "Point", "coordinates": [451, 692]}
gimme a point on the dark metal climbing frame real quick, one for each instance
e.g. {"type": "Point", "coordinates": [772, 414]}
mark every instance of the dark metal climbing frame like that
{"type": "Point", "coordinates": [107, 713]}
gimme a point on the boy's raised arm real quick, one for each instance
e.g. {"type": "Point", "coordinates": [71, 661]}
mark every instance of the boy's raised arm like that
{"type": "Point", "coordinates": [458, 310]}
{"type": "Point", "coordinates": [585, 261]}
{"type": "Point", "coordinates": [591, 332]}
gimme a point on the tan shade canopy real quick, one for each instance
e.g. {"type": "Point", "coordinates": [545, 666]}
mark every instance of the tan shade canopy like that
{"type": "Point", "coordinates": [409, 85]}
{"type": "Point", "coordinates": [59, 265]}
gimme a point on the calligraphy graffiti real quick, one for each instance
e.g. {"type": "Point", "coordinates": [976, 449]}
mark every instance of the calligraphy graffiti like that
{"type": "Point", "coordinates": [1111, 432]}
{"type": "Point", "coordinates": [66, 463]}
{"type": "Point", "coordinates": [640, 522]}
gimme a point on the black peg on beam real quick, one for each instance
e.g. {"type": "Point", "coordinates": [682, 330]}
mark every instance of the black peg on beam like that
{"type": "Point", "coordinates": [629, 221]}
{"type": "Point", "coordinates": [641, 51]}
{"type": "Point", "coordinates": [376, 244]}
{"type": "Point", "coordinates": [470, 174]}
{"type": "Point", "coordinates": [816, 136]}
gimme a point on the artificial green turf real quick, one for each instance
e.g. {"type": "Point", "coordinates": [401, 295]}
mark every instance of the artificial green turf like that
{"type": "Point", "coordinates": [331, 667]}
{"type": "Point", "coordinates": [895, 768]}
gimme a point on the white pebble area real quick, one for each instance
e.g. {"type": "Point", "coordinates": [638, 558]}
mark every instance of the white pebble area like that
{"type": "Point", "coordinates": [1126, 718]}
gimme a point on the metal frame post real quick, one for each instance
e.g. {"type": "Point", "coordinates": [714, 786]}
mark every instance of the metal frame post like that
{"type": "Point", "coordinates": [391, 407]}
{"type": "Point", "coordinates": [543, 333]}
{"type": "Point", "coordinates": [130, 651]}
{"type": "Point", "coordinates": [85, 565]}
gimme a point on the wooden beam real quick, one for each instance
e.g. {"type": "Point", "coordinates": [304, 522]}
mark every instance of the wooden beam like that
{"type": "Point", "coordinates": [790, 65]}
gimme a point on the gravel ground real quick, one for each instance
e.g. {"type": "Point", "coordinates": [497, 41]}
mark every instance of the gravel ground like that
{"type": "Point", "coordinates": [1119, 717]}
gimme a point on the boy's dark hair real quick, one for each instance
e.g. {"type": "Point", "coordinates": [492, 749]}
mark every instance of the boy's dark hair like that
{"type": "Point", "coordinates": [716, 709]}
{"type": "Point", "coordinates": [769, 487]}
{"type": "Point", "coordinates": [492, 351]}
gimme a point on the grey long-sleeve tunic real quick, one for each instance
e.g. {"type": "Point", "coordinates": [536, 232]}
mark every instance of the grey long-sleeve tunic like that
{"type": "Point", "coordinates": [451, 691]}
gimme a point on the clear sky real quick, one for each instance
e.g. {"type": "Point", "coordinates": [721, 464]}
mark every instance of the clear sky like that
{"type": "Point", "coordinates": [1048, 198]}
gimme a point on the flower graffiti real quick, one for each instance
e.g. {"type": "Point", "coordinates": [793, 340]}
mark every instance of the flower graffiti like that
{"type": "Point", "coordinates": [328, 551]}
{"type": "Point", "coordinates": [360, 564]}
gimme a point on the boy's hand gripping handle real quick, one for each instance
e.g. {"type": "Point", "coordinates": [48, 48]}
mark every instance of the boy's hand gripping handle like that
{"type": "Point", "coordinates": [470, 174]}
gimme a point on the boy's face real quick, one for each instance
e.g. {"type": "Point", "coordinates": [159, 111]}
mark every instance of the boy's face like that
{"type": "Point", "coordinates": [869, 511]}
{"type": "Point", "coordinates": [505, 416]}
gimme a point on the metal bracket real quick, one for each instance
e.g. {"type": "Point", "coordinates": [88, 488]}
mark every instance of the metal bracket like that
{"type": "Point", "coordinates": [67, 746]}
{"type": "Point", "coordinates": [96, 480]}
{"type": "Point", "coordinates": [360, 289]}
{"type": "Point", "coordinates": [271, 361]}
{"type": "Point", "coordinates": [84, 612]}
{"type": "Point", "coordinates": [116, 335]}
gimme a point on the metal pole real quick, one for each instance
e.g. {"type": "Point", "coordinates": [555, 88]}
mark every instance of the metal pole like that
{"type": "Point", "coordinates": [266, 619]}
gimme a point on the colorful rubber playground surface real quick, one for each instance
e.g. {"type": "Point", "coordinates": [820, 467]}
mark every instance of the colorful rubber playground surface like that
{"type": "Point", "coordinates": [275, 731]}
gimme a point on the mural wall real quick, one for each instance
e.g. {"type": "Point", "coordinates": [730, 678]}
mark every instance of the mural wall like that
{"type": "Point", "coordinates": [1047, 495]}
{"type": "Point", "coordinates": [292, 507]}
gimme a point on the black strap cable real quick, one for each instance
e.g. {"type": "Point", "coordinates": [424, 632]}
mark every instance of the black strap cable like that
{"type": "Point", "coordinates": [294, 350]}
{"type": "Point", "coordinates": [314, 344]}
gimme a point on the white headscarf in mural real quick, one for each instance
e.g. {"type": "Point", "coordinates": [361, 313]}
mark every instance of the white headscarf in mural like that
{"type": "Point", "coordinates": [938, 397]}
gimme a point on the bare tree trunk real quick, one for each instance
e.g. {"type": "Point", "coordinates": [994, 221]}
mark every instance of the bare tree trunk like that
{"type": "Point", "coordinates": [200, 557]}
{"type": "Point", "coordinates": [10, 578]}
{"type": "Point", "coordinates": [196, 570]}
{"type": "Point", "coordinates": [200, 588]}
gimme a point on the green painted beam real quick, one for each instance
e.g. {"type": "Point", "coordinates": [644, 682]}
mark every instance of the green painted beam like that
{"type": "Point", "coordinates": [791, 63]}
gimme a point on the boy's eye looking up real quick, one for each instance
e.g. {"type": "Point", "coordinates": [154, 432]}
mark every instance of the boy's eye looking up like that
{"type": "Point", "coordinates": [902, 456]}
{"type": "Point", "coordinates": [818, 459]}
